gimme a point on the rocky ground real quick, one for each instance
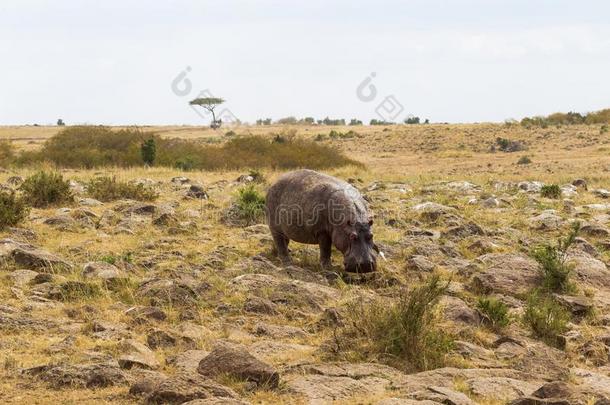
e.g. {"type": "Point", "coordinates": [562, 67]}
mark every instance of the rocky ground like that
{"type": "Point", "coordinates": [171, 302]}
{"type": "Point", "coordinates": [165, 302]}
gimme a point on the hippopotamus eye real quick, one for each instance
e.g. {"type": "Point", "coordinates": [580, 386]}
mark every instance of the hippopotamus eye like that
{"type": "Point", "coordinates": [370, 222]}
{"type": "Point", "coordinates": [368, 237]}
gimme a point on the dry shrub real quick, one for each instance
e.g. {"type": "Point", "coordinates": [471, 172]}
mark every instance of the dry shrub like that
{"type": "Point", "coordinates": [91, 146]}
{"type": "Point", "coordinates": [46, 188]}
{"type": "Point", "coordinates": [13, 209]}
{"type": "Point", "coordinates": [110, 189]}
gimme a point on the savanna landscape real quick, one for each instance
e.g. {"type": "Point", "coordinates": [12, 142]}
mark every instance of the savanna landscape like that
{"type": "Point", "coordinates": [137, 266]}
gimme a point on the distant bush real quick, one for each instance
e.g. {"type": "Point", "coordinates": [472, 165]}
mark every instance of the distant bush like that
{"type": "Point", "coordinates": [60, 123]}
{"type": "Point", "coordinates": [46, 188]}
{"type": "Point", "coordinates": [524, 160]}
{"type": "Point", "coordinates": [355, 121]}
{"type": "Point", "coordinates": [411, 120]}
{"type": "Point", "coordinates": [546, 318]}
{"type": "Point", "coordinates": [494, 312]}
{"type": "Point", "coordinates": [598, 117]}
{"type": "Point", "coordinates": [266, 121]}
{"type": "Point", "coordinates": [507, 145]}
{"type": "Point", "coordinates": [380, 122]}
{"type": "Point", "coordinates": [110, 189]}
{"type": "Point", "coordinates": [329, 121]}
{"type": "Point", "coordinates": [603, 129]}
{"type": "Point", "coordinates": [13, 209]}
{"type": "Point", "coordinates": [550, 191]}
{"type": "Point", "coordinates": [287, 121]}
{"type": "Point", "coordinates": [405, 331]}
{"type": "Point", "coordinates": [553, 261]}
{"type": "Point", "coordinates": [570, 118]}
{"type": "Point", "coordinates": [148, 150]}
{"type": "Point", "coordinates": [90, 147]}
{"type": "Point", "coordinates": [342, 135]}
{"type": "Point", "coordinates": [230, 133]}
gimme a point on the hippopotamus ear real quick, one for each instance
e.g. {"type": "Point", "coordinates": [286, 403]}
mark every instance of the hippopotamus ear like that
{"type": "Point", "coordinates": [370, 221]}
{"type": "Point", "coordinates": [375, 247]}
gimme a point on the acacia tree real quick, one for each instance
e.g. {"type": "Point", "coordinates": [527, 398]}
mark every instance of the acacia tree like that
{"type": "Point", "coordinates": [209, 103]}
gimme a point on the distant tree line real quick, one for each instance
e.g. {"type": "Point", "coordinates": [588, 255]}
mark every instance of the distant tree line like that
{"type": "Point", "coordinates": [569, 118]}
{"type": "Point", "coordinates": [333, 121]}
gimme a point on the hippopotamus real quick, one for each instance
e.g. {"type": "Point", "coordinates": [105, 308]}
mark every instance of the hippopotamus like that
{"type": "Point", "coordinates": [314, 208]}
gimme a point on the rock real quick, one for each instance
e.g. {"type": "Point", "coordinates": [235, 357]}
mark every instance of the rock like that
{"type": "Point", "coordinates": [217, 401]}
{"type": "Point", "coordinates": [137, 355]}
{"type": "Point", "coordinates": [188, 360]}
{"type": "Point", "coordinates": [138, 208]}
{"type": "Point", "coordinates": [23, 277]}
{"type": "Point", "coordinates": [330, 318]}
{"type": "Point", "coordinates": [147, 382]}
{"type": "Point", "coordinates": [568, 191]}
{"type": "Point", "coordinates": [420, 263]}
{"type": "Point", "coordinates": [278, 332]}
{"type": "Point", "coordinates": [19, 322]}
{"type": "Point", "coordinates": [14, 180]}
{"type": "Point", "coordinates": [87, 375]}
{"type": "Point", "coordinates": [546, 221]}
{"type": "Point", "coordinates": [61, 221]}
{"type": "Point", "coordinates": [442, 395]}
{"type": "Point", "coordinates": [140, 314]}
{"type": "Point", "coordinates": [594, 230]}
{"type": "Point", "coordinates": [580, 183]}
{"type": "Point", "coordinates": [433, 211]}
{"type": "Point", "coordinates": [260, 306]}
{"type": "Point", "coordinates": [600, 192]}
{"type": "Point", "coordinates": [197, 192]}
{"type": "Point", "coordinates": [506, 273]}
{"type": "Point", "coordinates": [578, 306]}
{"type": "Point", "coordinates": [245, 178]}
{"type": "Point", "coordinates": [180, 180]}
{"type": "Point", "coordinates": [234, 360]}
{"type": "Point", "coordinates": [191, 334]}
{"type": "Point", "coordinates": [29, 256]}
{"type": "Point", "coordinates": [100, 270]}
{"type": "Point", "coordinates": [501, 388]}
{"type": "Point", "coordinates": [166, 291]}
{"type": "Point", "coordinates": [89, 202]}
{"type": "Point", "coordinates": [530, 186]}
{"type": "Point", "coordinates": [464, 230]}
{"type": "Point", "coordinates": [463, 187]}
{"type": "Point", "coordinates": [457, 310]}
{"type": "Point", "coordinates": [589, 270]}
{"type": "Point", "coordinates": [491, 202]}
{"type": "Point", "coordinates": [183, 387]}
{"type": "Point", "coordinates": [159, 338]}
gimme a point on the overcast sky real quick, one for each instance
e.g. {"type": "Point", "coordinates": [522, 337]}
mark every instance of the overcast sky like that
{"type": "Point", "coordinates": [114, 61]}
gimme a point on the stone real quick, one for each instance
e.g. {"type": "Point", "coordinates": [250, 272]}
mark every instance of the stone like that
{"type": "Point", "coordinates": [167, 291]}
{"type": "Point", "coordinates": [30, 257]}
{"type": "Point", "coordinates": [159, 338]}
{"type": "Point", "coordinates": [137, 354]}
{"type": "Point", "coordinates": [260, 305]}
{"type": "Point", "coordinates": [420, 263]}
{"type": "Point", "coordinates": [100, 270]}
{"type": "Point", "coordinates": [146, 313]}
{"type": "Point", "coordinates": [234, 360]}
{"type": "Point", "coordinates": [577, 305]}
{"type": "Point", "coordinates": [546, 221]}
{"type": "Point", "coordinates": [197, 192]}
{"type": "Point", "coordinates": [457, 310]}
{"type": "Point", "coordinates": [503, 388]}
{"type": "Point", "coordinates": [600, 192]}
{"type": "Point", "coordinates": [595, 230]}
{"type": "Point", "coordinates": [506, 273]}
{"type": "Point", "coordinates": [147, 382]}
{"type": "Point", "coordinates": [80, 375]}
{"type": "Point", "coordinates": [188, 360]}
{"type": "Point", "coordinates": [23, 277]}
{"type": "Point", "coordinates": [278, 332]}
{"type": "Point", "coordinates": [580, 183]}
{"type": "Point", "coordinates": [183, 387]}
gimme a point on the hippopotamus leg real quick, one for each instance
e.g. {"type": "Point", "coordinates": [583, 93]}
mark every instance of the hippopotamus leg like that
{"type": "Point", "coordinates": [326, 244]}
{"type": "Point", "coordinates": [281, 243]}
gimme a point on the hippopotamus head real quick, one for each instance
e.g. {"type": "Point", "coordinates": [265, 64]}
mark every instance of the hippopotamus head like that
{"type": "Point", "coordinates": [355, 240]}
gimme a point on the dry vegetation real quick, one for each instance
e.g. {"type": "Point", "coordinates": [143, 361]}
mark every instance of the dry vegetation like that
{"type": "Point", "coordinates": [463, 291]}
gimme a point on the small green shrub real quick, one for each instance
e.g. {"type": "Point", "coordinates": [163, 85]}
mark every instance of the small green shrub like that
{"type": "Point", "coordinates": [546, 318]}
{"type": "Point", "coordinates": [13, 209]}
{"type": "Point", "coordinates": [603, 129]}
{"type": "Point", "coordinates": [404, 331]}
{"type": "Point", "coordinates": [46, 188]}
{"type": "Point", "coordinates": [109, 189]}
{"type": "Point", "coordinates": [553, 262]}
{"type": "Point", "coordinates": [507, 145]}
{"type": "Point", "coordinates": [7, 153]}
{"type": "Point", "coordinates": [257, 176]}
{"type": "Point", "coordinates": [77, 290]}
{"type": "Point", "coordinates": [185, 164]}
{"type": "Point", "coordinates": [494, 311]}
{"type": "Point", "coordinates": [148, 150]}
{"type": "Point", "coordinates": [250, 204]}
{"type": "Point", "coordinates": [524, 160]}
{"type": "Point", "coordinates": [550, 191]}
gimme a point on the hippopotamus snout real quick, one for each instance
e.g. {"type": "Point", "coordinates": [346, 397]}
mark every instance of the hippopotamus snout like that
{"type": "Point", "coordinates": [366, 264]}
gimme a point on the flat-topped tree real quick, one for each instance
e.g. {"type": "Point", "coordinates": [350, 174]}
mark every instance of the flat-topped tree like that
{"type": "Point", "coordinates": [209, 103]}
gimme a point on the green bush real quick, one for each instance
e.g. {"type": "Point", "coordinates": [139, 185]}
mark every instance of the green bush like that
{"type": "Point", "coordinates": [13, 209]}
{"type": "Point", "coordinates": [550, 191]}
{"type": "Point", "coordinates": [250, 204]}
{"type": "Point", "coordinates": [524, 160]}
{"type": "Point", "coordinates": [46, 188]}
{"type": "Point", "coordinates": [7, 153]}
{"type": "Point", "coordinates": [603, 129]}
{"type": "Point", "coordinates": [553, 262]}
{"type": "Point", "coordinates": [404, 331]}
{"type": "Point", "coordinates": [109, 189]}
{"type": "Point", "coordinates": [546, 318]}
{"type": "Point", "coordinates": [494, 311]}
{"type": "Point", "coordinates": [148, 150]}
